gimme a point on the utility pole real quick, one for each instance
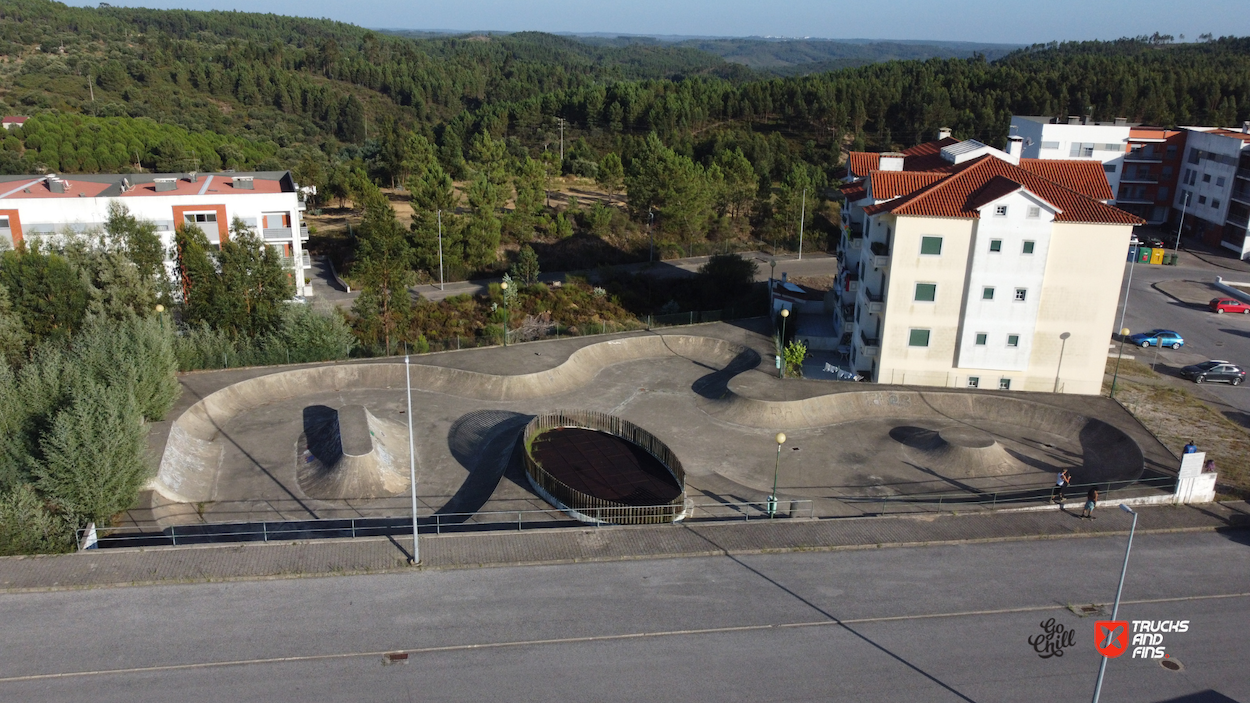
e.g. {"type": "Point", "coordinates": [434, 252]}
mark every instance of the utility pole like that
{"type": "Point", "coordinates": [412, 467]}
{"type": "Point", "coordinates": [561, 121]}
{"type": "Point", "coordinates": [802, 216]}
{"type": "Point", "coordinates": [440, 250]}
{"type": "Point", "coordinates": [1181, 226]}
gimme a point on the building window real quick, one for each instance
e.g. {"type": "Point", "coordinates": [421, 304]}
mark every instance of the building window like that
{"type": "Point", "coordinates": [1171, 154]}
{"type": "Point", "coordinates": [1219, 181]}
{"type": "Point", "coordinates": [1206, 178]}
{"type": "Point", "coordinates": [1109, 168]}
{"type": "Point", "coordinates": [1004, 384]}
{"type": "Point", "coordinates": [1034, 212]}
{"type": "Point", "coordinates": [987, 293]}
{"type": "Point", "coordinates": [1028, 248]}
{"type": "Point", "coordinates": [1050, 145]}
{"type": "Point", "coordinates": [996, 245]}
{"type": "Point", "coordinates": [1194, 156]}
{"type": "Point", "coordinates": [918, 338]}
{"type": "Point", "coordinates": [974, 381]}
{"type": "Point", "coordinates": [1202, 200]}
{"type": "Point", "coordinates": [982, 338]}
{"type": "Point", "coordinates": [1000, 211]}
{"type": "Point", "coordinates": [4, 223]}
{"type": "Point", "coordinates": [1167, 172]}
{"type": "Point", "coordinates": [1013, 340]}
{"type": "Point", "coordinates": [1163, 194]}
{"type": "Point", "coordinates": [1021, 294]}
{"type": "Point", "coordinates": [931, 246]}
{"type": "Point", "coordinates": [200, 217]}
{"type": "Point", "coordinates": [1215, 203]}
{"type": "Point", "coordinates": [926, 292]}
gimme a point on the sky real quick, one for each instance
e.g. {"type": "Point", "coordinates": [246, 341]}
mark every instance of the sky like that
{"type": "Point", "coordinates": [989, 21]}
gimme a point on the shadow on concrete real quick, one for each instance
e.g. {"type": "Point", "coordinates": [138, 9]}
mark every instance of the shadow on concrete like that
{"type": "Point", "coordinates": [1236, 332]}
{"type": "Point", "coordinates": [321, 428]}
{"type": "Point", "coordinates": [1207, 696]}
{"type": "Point", "coordinates": [715, 385]}
{"type": "Point", "coordinates": [1108, 455]}
{"type": "Point", "coordinates": [485, 443]}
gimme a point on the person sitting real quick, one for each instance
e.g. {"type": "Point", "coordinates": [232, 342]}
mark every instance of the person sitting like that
{"type": "Point", "coordinates": [1190, 448]}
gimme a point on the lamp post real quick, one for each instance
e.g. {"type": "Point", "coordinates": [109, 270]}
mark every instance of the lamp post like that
{"type": "Point", "coordinates": [772, 497]}
{"type": "Point", "coordinates": [440, 250]}
{"type": "Point", "coordinates": [802, 216]}
{"type": "Point", "coordinates": [504, 287]}
{"type": "Point", "coordinates": [1124, 332]}
{"type": "Point", "coordinates": [160, 314]}
{"type": "Point", "coordinates": [650, 239]}
{"type": "Point", "coordinates": [1124, 311]}
{"type": "Point", "coordinates": [412, 467]}
{"type": "Point", "coordinates": [1102, 668]}
{"type": "Point", "coordinates": [1063, 346]}
{"type": "Point", "coordinates": [1180, 226]}
{"type": "Point", "coordinates": [781, 354]}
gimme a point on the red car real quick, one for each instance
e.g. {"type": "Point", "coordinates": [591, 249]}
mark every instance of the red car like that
{"type": "Point", "coordinates": [1223, 305]}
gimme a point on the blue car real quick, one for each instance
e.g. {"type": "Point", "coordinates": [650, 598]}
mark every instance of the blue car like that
{"type": "Point", "coordinates": [1157, 338]}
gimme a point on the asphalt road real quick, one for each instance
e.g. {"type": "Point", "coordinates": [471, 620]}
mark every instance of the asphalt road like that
{"type": "Point", "coordinates": [947, 623]}
{"type": "Point", "coordinates": [1207, 335]}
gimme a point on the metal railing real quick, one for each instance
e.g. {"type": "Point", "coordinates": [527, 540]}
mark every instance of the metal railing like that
{"type": "Point", "coordinates": [1009, 497]}
{"type": "Point", "coordinates": [433, 524]}
{"type": "Point", "coordinates": [276, 232]}
{"type": "Point", "coordinates": [589, 505]}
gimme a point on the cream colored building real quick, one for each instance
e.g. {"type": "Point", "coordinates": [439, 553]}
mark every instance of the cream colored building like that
{"type": "Point", "coordinates": [979, 272]}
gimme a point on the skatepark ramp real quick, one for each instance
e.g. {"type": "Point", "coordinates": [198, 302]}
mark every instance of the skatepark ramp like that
{"type": "Point", "coordinates": [348, 453]}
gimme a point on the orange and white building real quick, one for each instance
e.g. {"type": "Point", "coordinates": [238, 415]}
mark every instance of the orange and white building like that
{"type": "Point", "coordinates": [968, 266]}
{"type": "Point", "coordinates": [44, 207]}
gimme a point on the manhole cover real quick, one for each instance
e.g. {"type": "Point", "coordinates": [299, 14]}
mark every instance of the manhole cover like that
{"type": "Point", "coordinates": [1087, 610]}
{"type": "Point", "coordinates": [1170, 664]}
{"type": "Point", "coordinates": [395, 658]}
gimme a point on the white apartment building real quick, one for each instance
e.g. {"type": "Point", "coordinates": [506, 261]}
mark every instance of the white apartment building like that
{"type": "Point", "coordinates": [984, 270]}
{"type": "Point", "coordinates": [1214, 188]}
{"type": "Point", "coordinates": [269, 202]}
{"type": "Point", "coordinates": [1077, 138]}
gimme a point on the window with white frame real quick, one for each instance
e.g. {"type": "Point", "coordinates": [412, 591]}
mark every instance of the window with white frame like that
{"type": "Point", "coordinates": [1000, 211]}
{"type": "Point", "coordinates": [1021, 294]}
{"type": "Point", "coordinates": [200, 217]}
{"type": "Point", "coordinates": [931, 246]}
{"type": "Point", "coordinates": [1034, 212]}
{"type": "Point", "coordinates": [1013, 340]}
{"type": "Point", "coordinates": [974, 381]}
{"type": "Point", "coordinates": [987, 293]}
{"type": "Point", "coordinates": [925, 292]}
{"type": "Point", "coordinates": [1004, 384]}
{"type": "Point", "coordinates": [996, 245]}
{"type": "Point", "coordinates": [1027, 248]}
{"type": "Point", "coordinates": [918, 338]}
{"type": "Point", "coordinates": [982, 338]}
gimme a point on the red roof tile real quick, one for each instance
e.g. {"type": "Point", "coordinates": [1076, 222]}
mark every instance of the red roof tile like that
{"type": "Point", "coordinates": [966, 189]}
{"type": "Point", "coordinates": [73, 189]}
{"type": "Point", "coordinates": [855, 191]}
{"type": "Point", "coordinates": [892, 184]}
{"type": "Point", "coordinates": [922, 157]}
{"type": "Point", "coordinates": [1085, 177]}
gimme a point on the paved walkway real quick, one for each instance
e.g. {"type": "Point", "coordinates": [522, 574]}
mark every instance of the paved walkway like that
{"type": "Point", "coordinates": [173, 565]}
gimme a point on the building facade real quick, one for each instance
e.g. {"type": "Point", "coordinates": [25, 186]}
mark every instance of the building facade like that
{"type": "Point", "coordinates": [42, 207]}
{"type": "Point", "coordinates": [985, 270]}
{"type": "Point", "coordinates": [1212, 200]}
{"type": "Point", "coordinates": [1075, 138]}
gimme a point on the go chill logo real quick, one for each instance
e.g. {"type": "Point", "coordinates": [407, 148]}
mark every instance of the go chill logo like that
{"type": "Point", "coordinates": [1111, 637]}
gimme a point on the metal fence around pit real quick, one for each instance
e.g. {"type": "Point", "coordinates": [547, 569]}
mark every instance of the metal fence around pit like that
{"type": "Point", "coordinates": [588, 506]}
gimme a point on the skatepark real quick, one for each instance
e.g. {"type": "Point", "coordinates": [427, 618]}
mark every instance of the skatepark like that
{"type": "Point", "coordinates": [331, 441]}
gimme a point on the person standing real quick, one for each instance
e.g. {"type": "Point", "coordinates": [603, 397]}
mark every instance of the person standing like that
{"type": "Point", "coordinates": [1061, 482]}
{"type": "Point", "coordinates": [1091, 502]}
{"type": "Point", "coordinates": [1190, 448]}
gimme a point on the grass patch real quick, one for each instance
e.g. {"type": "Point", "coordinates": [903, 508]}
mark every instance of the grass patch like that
{"type": "Point", "coordinates": [1175, 415]}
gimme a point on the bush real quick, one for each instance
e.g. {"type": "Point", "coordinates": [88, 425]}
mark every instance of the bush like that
{"type": "Point", "coordinates": [28, 527]}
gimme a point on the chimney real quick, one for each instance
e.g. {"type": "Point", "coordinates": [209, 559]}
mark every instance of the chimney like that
{"type": "Point", "coordinates": [891, 161]}
{"type": "Point", "coordinates": [1074, 119]}
{"type": "Point", "coordinates": [1015, 146]}
{"type": "Point", "coordinates": [192, 176]}
{"type": "Point", "coordinates": [56, 185]}
{"type": "Point", "coordinates": [944, 133]}
{"type": "Point", "coordinates": [1121, 121]}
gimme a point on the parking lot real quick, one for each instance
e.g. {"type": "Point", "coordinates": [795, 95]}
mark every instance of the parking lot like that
{"type": "Point", "coordinates": [1175, 298]}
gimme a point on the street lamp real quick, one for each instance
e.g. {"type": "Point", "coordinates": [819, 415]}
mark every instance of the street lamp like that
{"type": "Point", "coordinates": [650, 239]}
{"type": "Point", "coordinates": [440, 250]}
{"type": "Point", "coordinates": [504, 287]}
{"type": "Point", "coordinates": [1102, 668]}
{"type": "Point", "coordinates": [160, 314]}
{"type": "Point", "coordinates": [1063, 346]}
{"type": "Point", "coordinates": [772, 498]}
{"type": "Point", "coordinates": [802, 216]}
{"type": "Point", "coordinates": [1133, 243]}
{"type": "Point", "coordinates": [412, 467]}
{"type": "Point", "coordinates": [1180, 227]}
{"type": "Point", "coordinates": [781, 363]}
{"type": "Point", "coordinates": [1124, 332]}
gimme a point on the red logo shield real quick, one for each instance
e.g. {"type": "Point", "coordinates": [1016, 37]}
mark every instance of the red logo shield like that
{"type": "Point", "coordinates": [1111, 637]}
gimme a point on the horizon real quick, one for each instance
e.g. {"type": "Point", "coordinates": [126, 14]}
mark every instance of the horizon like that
{"type": "Point", "coordinates": [1015, 22]}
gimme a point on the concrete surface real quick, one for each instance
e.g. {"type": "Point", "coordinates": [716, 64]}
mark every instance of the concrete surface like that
{"type": "Point", "coordinates": [949, 623]}
{"type": "Point", "coordinates": [709, 394]}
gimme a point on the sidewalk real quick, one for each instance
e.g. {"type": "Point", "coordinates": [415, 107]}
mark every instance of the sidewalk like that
{"type": "Point", "coordinates": [200, 564]}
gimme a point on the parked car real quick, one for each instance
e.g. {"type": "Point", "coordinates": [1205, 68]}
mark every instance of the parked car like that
{"type": "Point", "coordinates": [1223, 305]}
{"type": "Point", "coordinates": [1157, 338]}
{"type": "Point", "coordinates": [1155, 243]}
{"type": "Point", "coordinates": [1215, 370]}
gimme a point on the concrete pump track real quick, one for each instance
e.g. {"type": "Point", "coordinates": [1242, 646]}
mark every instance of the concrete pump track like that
{"type": "Point", "coordinates": [336, 449]}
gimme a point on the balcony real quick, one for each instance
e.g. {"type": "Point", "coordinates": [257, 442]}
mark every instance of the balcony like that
{"type": "Point", "coordinates": [870, 345]}
{"type": "Point", "coordinates": [1244, 173]}
{"type": "Point", "coordinates": [880, 254]}
{"type": "Point", "coordinates": [874, 302]}
{"type": "Point", "coordinates": [1139, 178]}
{"type": "Point", "coordinates": [305, 261]}
{"type": "Point", "coordinates": [276, 232]}
{"type": "Point", "coordinates": [1139, 156]}
{"type": "Point", "coordinates": [1238, 222]}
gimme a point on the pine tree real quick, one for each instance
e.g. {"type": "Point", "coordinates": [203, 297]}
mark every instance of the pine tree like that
{"type": "Point", "coordinates": [384, 268]}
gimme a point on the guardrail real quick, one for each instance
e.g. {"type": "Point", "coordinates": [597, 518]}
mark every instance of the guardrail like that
{"type": "Point", "coordinates": [938, 502]}
{"type": "Point", "coordinates": [587, 505]}
{"type": "Point", "coordinates": [436, 524]}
